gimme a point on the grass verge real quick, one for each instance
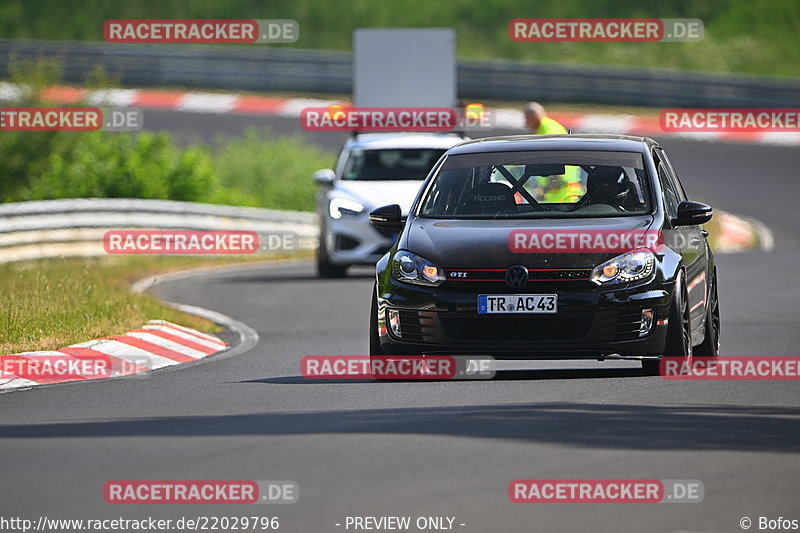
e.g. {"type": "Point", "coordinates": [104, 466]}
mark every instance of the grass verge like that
{"type": "Point", "coordinates": [49, 304]}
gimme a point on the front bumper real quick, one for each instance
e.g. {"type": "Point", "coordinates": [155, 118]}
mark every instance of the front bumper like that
{"type": "Point", "coordinates": [591, 322]}
{"type": "Point", "coordinates": [351, 240]}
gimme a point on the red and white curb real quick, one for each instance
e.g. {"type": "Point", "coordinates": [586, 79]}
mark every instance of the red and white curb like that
{"type": "Point", "coordinates": [504, 118]}
{"type": "Point", "coordinates": [740, 234]}
{"type": "Point", "coordinates": [155, 345]}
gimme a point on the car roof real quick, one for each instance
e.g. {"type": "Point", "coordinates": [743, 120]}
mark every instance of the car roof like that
{"type": "Point", "coordinates": [385, 141]}
{"type": "Point", "coordinates": [523, 143]}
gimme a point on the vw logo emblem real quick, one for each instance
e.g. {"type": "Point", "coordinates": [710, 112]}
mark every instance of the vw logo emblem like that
{"type": "Point", "coordinates": [517, 276]}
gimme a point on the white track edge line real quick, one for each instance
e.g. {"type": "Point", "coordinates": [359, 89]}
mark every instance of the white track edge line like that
{"type": "Point", "coordinates": [248, 337]}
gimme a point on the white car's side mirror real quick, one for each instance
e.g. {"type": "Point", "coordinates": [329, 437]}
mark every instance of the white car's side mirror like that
{"type": "Point", "coordinates": [324, 176]}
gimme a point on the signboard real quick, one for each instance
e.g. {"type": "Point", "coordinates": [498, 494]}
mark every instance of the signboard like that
{"type": "Point", "coordinates": [404, 67]}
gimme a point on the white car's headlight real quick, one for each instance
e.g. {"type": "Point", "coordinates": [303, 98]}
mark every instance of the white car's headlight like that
{"type": "Point", "coordinates": [632, 266]}
{"type": "Point", "coordinates": [339, 207]}
{"type": "Point", "coordinates": [414, 269]}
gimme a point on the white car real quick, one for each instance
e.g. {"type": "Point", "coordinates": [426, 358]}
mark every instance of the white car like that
{"type": "Point", "coordinates": [373, 170]}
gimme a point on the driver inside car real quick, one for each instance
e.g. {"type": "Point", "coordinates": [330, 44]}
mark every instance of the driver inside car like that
{"type": "Point", "coordinates": [608, 185]}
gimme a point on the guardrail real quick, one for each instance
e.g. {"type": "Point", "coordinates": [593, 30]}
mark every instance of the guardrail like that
{"type": "Point", "coordinates": [75, 227]}
{"type": "Point", "coordinates": [261, 68]}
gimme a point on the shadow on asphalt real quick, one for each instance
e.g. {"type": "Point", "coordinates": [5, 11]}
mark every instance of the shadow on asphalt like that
{"type": "Point", "coordinates": [501, 375]}
{"type": "Point", "coordinates": [582, 425]}
{"type": "Point", "coordinates": [284, 277]}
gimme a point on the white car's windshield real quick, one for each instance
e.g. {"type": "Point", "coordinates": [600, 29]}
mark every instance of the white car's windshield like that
{"type": "Point", "coordinates": [391, 164]}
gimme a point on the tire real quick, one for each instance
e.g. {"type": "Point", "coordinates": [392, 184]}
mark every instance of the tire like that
{"type": "Point", "coordinates": [709, 349]}
{"type": "Point", "coordinates": [651, 366]}
{"type": "Point", "coordinates": [374, 340]}
{"type": "Point", "coordinates": [324, 267]}
{"type": "Point", "coordinates": [679, 332]}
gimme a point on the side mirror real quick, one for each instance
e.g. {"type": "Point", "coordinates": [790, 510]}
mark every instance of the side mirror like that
{"type": "Point", "coordinates": [691, 213]}
{"type": "Point", "coordinates": [324, 176]}
{"type": "Point", "coordinates": [388, 217]}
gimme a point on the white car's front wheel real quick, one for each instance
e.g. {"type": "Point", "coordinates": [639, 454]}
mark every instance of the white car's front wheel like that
{"type": "Point", "coordinates": [324, 267]}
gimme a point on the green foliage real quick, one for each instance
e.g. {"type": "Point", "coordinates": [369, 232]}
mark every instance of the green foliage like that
{"type": "Point", "coordinates": [253, 170]}
{"type": "Point", "coordinates": [32, 77]}
{"type": "Point", "coordinates": [745, 36]}
{"type": "Point", "coordinates": [259, 172]}
{"type": "Point", "coordinates": [122, 165]}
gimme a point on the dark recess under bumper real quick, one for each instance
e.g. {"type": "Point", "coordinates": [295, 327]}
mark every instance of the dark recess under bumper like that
{"type": "Point", "coordinates": [590, 322]}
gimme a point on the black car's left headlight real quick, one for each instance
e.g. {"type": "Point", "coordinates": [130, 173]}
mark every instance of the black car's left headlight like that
{"type": "Point", "coordinates": [637, 265]}
{"type": "Point", "coordinates": [412, 268]}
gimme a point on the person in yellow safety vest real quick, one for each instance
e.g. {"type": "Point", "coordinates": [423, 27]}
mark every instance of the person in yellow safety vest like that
{"type": "Point", "coordinates": [564, 193]}
{"type": "Point", "coordinates": [539, 123]}
{"type": "Point", "coordinates": [568, 187]}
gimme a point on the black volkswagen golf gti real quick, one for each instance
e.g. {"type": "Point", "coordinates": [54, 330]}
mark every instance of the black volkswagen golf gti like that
{"type": "Point", "coordinates": [548, 247]}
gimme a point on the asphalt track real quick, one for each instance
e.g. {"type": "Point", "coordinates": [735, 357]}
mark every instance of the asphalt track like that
{"type": "Point", "coordinates": [439, 449]}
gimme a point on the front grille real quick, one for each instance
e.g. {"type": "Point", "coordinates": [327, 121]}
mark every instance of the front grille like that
{"type": "Point", "coordinates": [559, 275]}
{"type": "Point", "coordinates": [529, 327]}
{"type": "Point", "coordinates": [410, 326]}
{"type": "Point", "coordinates": [344, 243]}
{"type": "Point", "coordinates": [464, 277]}
{"type": "Point", "coordinates": [619, 325]}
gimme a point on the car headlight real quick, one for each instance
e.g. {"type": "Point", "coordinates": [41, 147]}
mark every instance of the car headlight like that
{"type": "Point", "coordinates": [632, 266]}
{"type": "Point", "coordinates": [339, 207]}
{"type": "Point", "coordinates": [414, 269]}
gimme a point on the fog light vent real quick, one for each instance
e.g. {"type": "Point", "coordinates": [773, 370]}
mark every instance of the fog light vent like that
{"type": "Point", "coordinates": [647, 322]}
{"type": "Point", "coordinates": [394, 322]}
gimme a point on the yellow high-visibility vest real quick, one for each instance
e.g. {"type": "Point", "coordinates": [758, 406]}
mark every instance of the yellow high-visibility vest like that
{"type": "Point", "coordinates": [549, 126]}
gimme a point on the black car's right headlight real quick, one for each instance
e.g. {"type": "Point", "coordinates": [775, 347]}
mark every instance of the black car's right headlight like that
{"type": "Point", "coordinates": [637, 265]}
{"type": "Point", "coordinates": [412, 268]}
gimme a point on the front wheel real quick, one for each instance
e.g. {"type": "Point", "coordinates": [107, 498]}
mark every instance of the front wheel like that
{"type": "Point", "coordinates": [374, 338]}
{"type": "Point", "coordinates": [710, 346]}
{"type": "Point", "coordinates": [325, 269]}
{"type": "Point", "coordinates": [679, 332]}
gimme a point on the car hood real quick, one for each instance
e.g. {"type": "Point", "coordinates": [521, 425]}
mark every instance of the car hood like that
{"type": "Point", "coordinates": [485, 243]}
{"type": "Point", "coordinates": [379, 193]}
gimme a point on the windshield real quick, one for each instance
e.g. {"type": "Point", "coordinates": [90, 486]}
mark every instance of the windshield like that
{"type": "Point", "coordinates": [391, 164]}
{"type": "Point", "coordinates": [539, 184]}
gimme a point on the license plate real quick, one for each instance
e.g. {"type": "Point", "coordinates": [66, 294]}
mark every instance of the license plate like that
{"type": "Point", "coordinates": [517, 303]}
